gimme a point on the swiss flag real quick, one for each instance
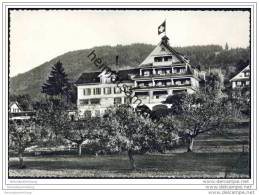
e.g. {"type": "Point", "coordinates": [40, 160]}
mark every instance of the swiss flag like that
{"type": "Point", "coordinates": [161, 28]}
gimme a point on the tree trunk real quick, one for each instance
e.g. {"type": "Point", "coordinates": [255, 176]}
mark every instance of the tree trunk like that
{"type": "Point", "coordinates": [190, 144]}
{"type": "Point", "coordinates": [80, 149]}
{"type": "Point", "coordinates": [131, 159]}
{"type": "Point", "coordinates": [21, 165]}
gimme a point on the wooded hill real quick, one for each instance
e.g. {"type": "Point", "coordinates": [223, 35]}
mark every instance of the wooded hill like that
{"type": "Point", "coordinates": [77, 62]}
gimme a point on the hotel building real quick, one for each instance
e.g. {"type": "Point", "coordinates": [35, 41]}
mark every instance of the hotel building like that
{"type": "Point", "coordinates": [164, 72]}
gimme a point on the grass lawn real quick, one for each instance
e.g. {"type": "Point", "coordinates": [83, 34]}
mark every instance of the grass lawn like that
{"type": "Point", "coordinates": [214, 156]}
{"type": "Point", "coordinates": [149, 165]}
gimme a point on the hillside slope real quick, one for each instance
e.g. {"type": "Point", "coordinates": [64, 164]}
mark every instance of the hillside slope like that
{"type": "Point", "coordinates": [77, 62]}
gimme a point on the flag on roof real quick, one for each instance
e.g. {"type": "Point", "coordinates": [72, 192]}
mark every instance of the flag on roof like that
{"type": "Point", "coordinates": [161, 28]}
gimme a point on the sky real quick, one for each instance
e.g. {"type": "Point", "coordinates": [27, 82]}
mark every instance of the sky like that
{"type": "Point", "coordinates": [39, 36]}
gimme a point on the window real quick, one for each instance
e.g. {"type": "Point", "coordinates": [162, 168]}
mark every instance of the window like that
{"type": "Point", "coordinates": [187, 82]}
{"type": "Point", "coordinates": [146, 73]}
{"type": "Point", "coordinates": [107, 90]}
{"type": "Point", "coordinates": [141, 85]}
{"type": "Point", "coordinates": [117, 101]}
{"type": "Point", "coordinates": [168, 83]}
{"type": "Point", "coordinates": [239, 83]}
{"type": "Point", "coordinates": [95, 101]}
{"type": "Point", "coordinates": [158, 59]}
{"type": "Point", "coordinates": [161, 72]}
{"type": "Point", "coordinates": [247, 82]}
{"type": "Point", "coordinates": [107, 80]}
{"type": "Point", "coordinates": [127, 100]}
{"type": "Point", "coordinates": [180, 70]}
{"type": "Point", "coordinates": [117, 90]}
{"type": "Point", "coordinates": [97, 91]}
{"type": "Point", "coordinates": [146, 84]}
{"type": "Point", "coordinates": [83, 102]}
{"type": "Point", "coordinates": [159, 83]}
{"type": "Point", "coordinates": [179, 91]}
{"type": "Point", "coordinates": [141, 94]}
{"type": "Point", "coordinates": [87, 91]}
{"type": "Point", "coordinates": [158, 93]}
{"type": "Point", "coordinates": [178, 82]}
{"type": "Point", "coordinates": [167, 58]}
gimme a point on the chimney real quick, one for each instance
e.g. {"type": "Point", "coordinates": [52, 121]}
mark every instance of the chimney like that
{"type": "Point", "coordinates": [117, 60]}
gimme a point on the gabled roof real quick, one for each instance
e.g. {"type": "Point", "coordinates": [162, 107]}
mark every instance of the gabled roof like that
{"type": "Point", "coordinates": [15, 102]}
{"type": "Point", "coordinates": [89, 77]}
{"type": "Point", "coordinates": [237, 76]}
{"type": "Point", "coordinates": [163, 48]}
{"type": "Point", "coordinates": [178, 55]}
{"type": "Point", "coordinates": [94, 77]}
{"type": "Point", "coordinates": [124, 75]}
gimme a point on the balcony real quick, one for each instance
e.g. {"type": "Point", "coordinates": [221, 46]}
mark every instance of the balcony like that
{"type": "Point", "coordinates": [159, 75]}
{"type": "Point", "coordinates": [163, 63]}
{"type": "Point", "coordinates": [163, 86]}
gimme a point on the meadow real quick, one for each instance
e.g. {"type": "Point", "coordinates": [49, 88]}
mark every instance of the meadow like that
{"type": "Point", "coordinates": [215, 156]}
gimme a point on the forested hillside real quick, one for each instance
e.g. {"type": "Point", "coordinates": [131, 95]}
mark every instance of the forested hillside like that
{"type": "Point", "coordinates": [77, 62]}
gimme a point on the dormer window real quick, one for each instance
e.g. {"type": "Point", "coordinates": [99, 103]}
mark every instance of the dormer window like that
{"type": "Point", "coordinates": [167, 58]}
{"type": "Point", "coordinates": [106, 80]}
{"type": "Point", "coordinates": [158, 59]}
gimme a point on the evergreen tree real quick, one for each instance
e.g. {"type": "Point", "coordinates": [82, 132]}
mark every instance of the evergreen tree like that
{"type": "Point", "coordinates": [226, 46]}
{"type": "Point", "coordinates": [57, 83]}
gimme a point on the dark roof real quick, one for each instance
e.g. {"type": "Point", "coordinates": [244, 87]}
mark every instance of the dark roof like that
{"type": "Point", "coordinates": [89, 77]}
{"type": "Point", "coordinates": [124, 75]}
{"type": "Point", "coordinates": [92, 77]}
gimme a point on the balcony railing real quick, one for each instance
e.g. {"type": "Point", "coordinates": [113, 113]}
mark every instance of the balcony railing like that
{"type": "Point", "coordinates": [162, 86]}
{"type": "Point", "coordinates": [242, 86]}
{"type": "Point", "coordinates": [163, 63]}
{"type": "Point", "coordinates": [160, 75]}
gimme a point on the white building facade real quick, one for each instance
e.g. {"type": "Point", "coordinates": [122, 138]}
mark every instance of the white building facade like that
{"type": "Point", "coordinates": [17, 113]}
{"type": "Point", "coordinates": [242, 79]}
{"type": "Point", "coordinates": [96, 92]}
{"type": "Point", "coordinates": [164, 72]}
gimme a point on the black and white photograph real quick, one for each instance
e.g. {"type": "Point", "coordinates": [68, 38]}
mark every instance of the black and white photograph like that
{"type": "Point", "coordinates": [129, 93]}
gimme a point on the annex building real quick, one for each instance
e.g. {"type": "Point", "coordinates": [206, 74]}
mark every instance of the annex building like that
{"type": "Point", "coordinates": [16, 112]}
{"type": "Point", "coordinates": [164, 72]}
{"type": "Point", "coordinates": [242, 79]}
